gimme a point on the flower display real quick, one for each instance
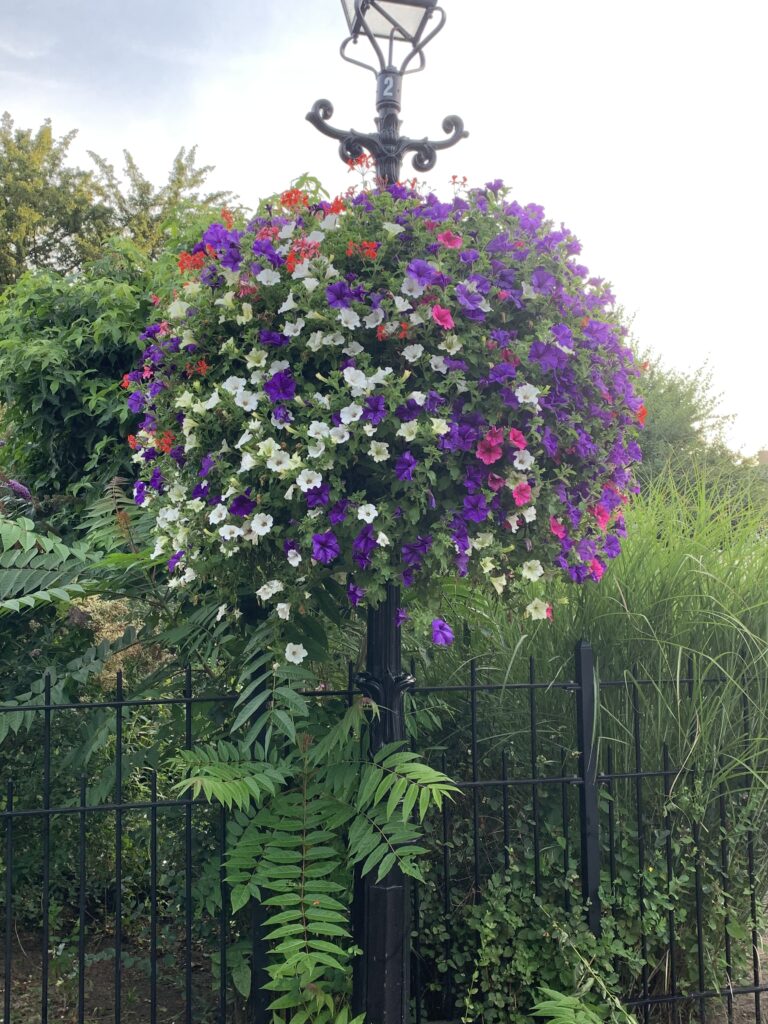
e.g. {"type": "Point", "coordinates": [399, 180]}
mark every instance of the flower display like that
{"type": "Point", "coordinates": [386, 388]}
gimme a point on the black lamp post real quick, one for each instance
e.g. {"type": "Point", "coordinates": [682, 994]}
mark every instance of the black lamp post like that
{"type": "Point", "coordinates": [381, 911]}
{"type": "Point", "coordinates": [392, 27]}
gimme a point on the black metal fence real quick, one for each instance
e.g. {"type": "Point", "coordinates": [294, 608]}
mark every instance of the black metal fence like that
{"type": "Point", "coordinates": [589, 803]}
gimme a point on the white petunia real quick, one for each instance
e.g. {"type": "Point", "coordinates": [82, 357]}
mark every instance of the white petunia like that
{"type": "Point", "coordinates": [212, 401]}
{"type": "Point", "coordinates": [380, 376]}
{"type": "Point", "coordinates": [450, 344]}
{"type": "Point", "coordinates": [256, 358]}
{"type": "Point", "coordinates": [171, 515]}
{"type": "Point", "coordinates": [330, 222]}
{"type": "Point", "coordinates": [339, 435]}
{"type": "Point", "coordinates": [439, 425]}
{"type": "Point", "coordinates": [247, 462]}
{"type": "Point", "coordinates": [537, 609]}
{"type": "Point", "coordinates": [222, 611]}
{"type": "Point", "coordinates": [379, 451]}
{"type": "Point", "coordinates": [295, 653]}
{"type": "Point", "coordinates": [411, 287]}
{"type": "Point", "coordinates": [310, 283]}
{"type": "Point", "coordinates": [230, 532]}
{"type": "Point", "coordinates": [234, 384]}
{"type": "Point", "coordinates": [527, 394]}
{"type": "Point", "coordinates": [368, 429]}
{"type": "Point", "coordinates": [279, 462]}
{"type": "Point", "coordinates": [418, 397]}
{"type": "Point", "coordinates": [269, 590]}
{"type": "Point", "coordinates": [292, 330]}
{"type": "Point", "coordinates": [318, 429]}
{"type": "Point", "coordinates": [351, 413]}
{"type": "Point", "coordinates": [247, 400]}
{"type": "Point", "coordinates": [316, 341]}
{"type": "Point", "coordinates": [529, 514]}
{"type": "Point", "coordinates": [532, 570]}
{"type": "Point", "coordinates": [349, 318]}
{"type": "Point", "coordinates": [314, 451]}
{"type": "Point", "coordinates": [308, 479]}
{"type": "Point", "coordinates": [322, 400]}
{"type": "Point", "coordinates": [367, 513]}
{"type": "Point", "coordinates": [261, 524]}
{"type": "Point", "coordinates": [392, 229]}
{"type": "Point", "coordinates": [375, 318]}
{"type": "Point", "coordinates": [402, 305]}
{"type": "Point", "coordinates": [523, 460]}
{"type": "Point", "coordinates": [438, 364]}
{"type": "Point", "coordinates": [294, 558]}
{"type": "Point", "coordinates": [268, 277]}
{"type": "Point", "coordinates": [218, 515]}
{"type": "Point", "coordinates": [283, 610]}
{"type": "Point", "coordinates": [244, 439]}
{"type": "Point", "coordinates": [382, 540]}
{"type": "Point", "coordinates": [356, 380]}
{"type": "Point", "coordinates": [413, 352]}
{"type": "Point", "coordinates": [408, 430]}
{"type": "Point", "coordinates": [290, 303]}
{"type": "Point", "coordinates": [247, 314]}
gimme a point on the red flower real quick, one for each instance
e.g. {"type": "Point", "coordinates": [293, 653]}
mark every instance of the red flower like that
{"type": "Point", "coordinates": [228, 219]}
{"type": "Point", "coordinates": [126, 381]}
{"type": "Point", "coordinates": [165, 443]}
{"type": "Point", "coordinates": [642, 412]}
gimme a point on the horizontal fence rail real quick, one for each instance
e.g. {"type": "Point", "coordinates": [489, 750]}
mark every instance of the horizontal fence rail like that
{"type": "Point", "coordinates": [115, 901]}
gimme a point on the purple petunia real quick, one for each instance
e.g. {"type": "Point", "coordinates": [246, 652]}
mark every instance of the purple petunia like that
{"type": "Point", "coordinates": [325, 547]}
{"type": "Point", "coordinates": [355, 594]}
{"type": "Point", "coordinates": [174, 560]}
{"type": "Point", "coordinates": [281, 386]}
{"type": "Point", "coordinates": [405, 466]}
{"type": "Point", "coordinates": [442, 634]}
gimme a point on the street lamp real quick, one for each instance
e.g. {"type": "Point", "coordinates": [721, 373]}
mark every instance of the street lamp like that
{"type": "Point", "coordinates": [395, 29]}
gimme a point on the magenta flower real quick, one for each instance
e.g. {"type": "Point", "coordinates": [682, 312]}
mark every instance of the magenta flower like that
{"type": "Point", "coordinates": [450, 240]}
{"type": "Point", "coordinates": [442, 634]}
{"type": "Point", "coordinates": [442, 317]}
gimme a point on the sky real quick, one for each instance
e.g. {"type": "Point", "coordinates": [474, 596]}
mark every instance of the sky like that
{"type": "Point", "coordinates": [639, 126]}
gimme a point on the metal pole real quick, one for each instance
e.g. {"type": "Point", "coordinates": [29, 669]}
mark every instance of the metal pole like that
{"type": "Point", "coordinates": [381, 910]}
{"type": "Point", "coordinates": [586, 708]}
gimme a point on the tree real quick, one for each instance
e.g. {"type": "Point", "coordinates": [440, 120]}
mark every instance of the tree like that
{"type": "Point", "coordinates": [51, 215]}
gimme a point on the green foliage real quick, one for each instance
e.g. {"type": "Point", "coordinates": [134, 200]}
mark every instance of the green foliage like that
{"type": "Point", "coordinates": [52, 216]}
{"type": "Point", "coordinates": [37, 569]}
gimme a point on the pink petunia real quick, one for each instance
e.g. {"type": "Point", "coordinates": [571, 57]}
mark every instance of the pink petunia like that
{"type": "Point", "coordinates": [488, 452]}
{"type": "Point", "coordinates": [495, 435]}
{"type": "Point", "coordinates": [517, 439]}
{"type": "Point", "coordinates": [549, 611]}
{"type": "Point", "coordinates": [597, 568]}
{"type": "Point", "coordinates": [442, 317]}
{"type": "Point", "coordinates": [602, 515]}
{"type": "Point", "coordinates": [450, 240]}
{"type": "Point", "coordinates": [495, 482]}
{"type": "Point", "coordinates": [557, 528]}
{"type": "Point", "coordinates": [522, 493]}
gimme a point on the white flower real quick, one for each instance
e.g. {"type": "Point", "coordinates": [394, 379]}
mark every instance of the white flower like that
{"type": "Point", "coordinates": [302, 269]}
{"type": "Point", "coordinates": [513, 522]}
{"type": "Point", "coordinates": [438, 364]}
{"type": "Point", "coordinates": [382, 540]}
{"type": "Point", "coordinates": [314, 451]}
{"type": "Point", "coordinates": [411, 287]}
{"type": "Point", "coordinates": [380, 376]}
{"type": "Point", "coordinates": [523, 460]}
{"type": "Point", "coordinates": [234, 384]}
{"type": "Point", "coordinates": [351, 413]}
{"type": "Point", "coordinates": [212, 401]}
{"type": "Point", "coordinates": [367, 513]}
{"type": "Point", "coordinates": [247, 400]}
{"type": "Point", "coordinates": [283, 610]}
{"type": "Point", "coordinates": [537, 609]}
{"type": "Point", "coordinates": [354, 348]}
{"type": "Point", "coordinates": [268, 277]}
{"type": "Point", "coordinates": [532, 570]}
{"type": "Point", "coordinates": [528, 292]}
{"type": "Point", "coordinates": [230, 532]}
{"type": "Point", "coordinates": [356, 380]}
{"type": "Point", "coordinates": [416, 319]}
{"type": "Point", "coordinates": [222, 611]}
{"type": "Point", "coordinates": [280, 462]}
{"type": "Point", "coordinates": [261, 524]}
{"type": "Point", "coordinates": [178, 309]}
{"type": "Point", "coordinates": [487, 564]}
{"type": "Point", "coordinates": [375, 318]}
{"type": "Point", "coordinates": [185, 400]}
{"type": "Point", "coordinates": [482, 540]}
{"type": "Point", "coordinates": [413, 352]}
{"type": "Point", "coordinates": [527, 394]}
{"type": "Point", "coordinates": [318, 429]}
{"type": "Point", "coordinates": [315, 236]}
{"type": "Point", "coordinates": [218, 515]}
{"type": "Point", "coordinates": [316, 341]}
{"type": "Point", "coordinates": [171, 515]}
{"type": "Point", "coordinates": [291, 330]}
{"type": "Point", "coordinates": [290, 303]}
{"type": "Point", "coordinates": [287, 230]}
{"type": "Point", "coordinates": [294, 558]}
{"type": "Point", "coordinates": [392, 229]}
{"type": "Point", "coordinates": [330, 222]}
{"type": "Point", "coordinates": [349, 318]}
{"type": "Point", "coordinates": [439, 426]}
{"type": "Point", "coordinates": [368, 429]}
{"type": "Point", "coordinates": [269, 590]}
{"type": "Point", "coordinates": [268, 447]}
{"type": "Point", "coordinates": [379, 451]}
{"type": "Point", "coordinates": [499, 582]}
{"type": "Point", "coordinates": [450, 344]}
{"type": "Point", "coordinates": [529, 514]}
{"type": "Point", "coordinates": [307, 479]}
{"type": "Point", "coordinates": [247, 315]}
{"type": "Point", "coordinates": [310, 283]}
{"type": "Point", "coordinates": [247, 462]}
{"type": "Point", "coordinates": [408, 430]}
{"type": "Point", "coordinates": [402, 305]}
{"type": "Point", "coordinates": [418, 397]}
{"type": "Point", "coordinates": [159, 547]}
{"type": "Point", "coordinates": [322, 400]}
{"type": "Point", "coordinates": [277, 365]}
{"type": "Point", "coordinates": [295, 653]}
{"type": "Point", "coordinates": [339, 435]}
{"type": "Point", "coordinates": [256, 358]}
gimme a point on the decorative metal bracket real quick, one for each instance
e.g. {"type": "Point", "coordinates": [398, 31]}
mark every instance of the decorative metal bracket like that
{"type": "Point", "coordinates": [386, 146]}
{"type": "Point", "coordinates": [387, 693]}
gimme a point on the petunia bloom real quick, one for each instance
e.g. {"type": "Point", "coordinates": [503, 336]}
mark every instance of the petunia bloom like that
{"type": "Point", "coordinates": [442, 634]}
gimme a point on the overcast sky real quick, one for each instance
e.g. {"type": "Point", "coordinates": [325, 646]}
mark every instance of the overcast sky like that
{"type": "Point", "coordinates": [640, 126]}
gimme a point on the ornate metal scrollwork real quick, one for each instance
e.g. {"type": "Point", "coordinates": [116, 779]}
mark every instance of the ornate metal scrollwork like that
{"type": "Point", "coordinates": [387, 693]}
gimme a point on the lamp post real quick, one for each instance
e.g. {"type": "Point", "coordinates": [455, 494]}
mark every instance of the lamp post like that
{"type": "Point", "coordinates": [394, 28]}
{"type": "Point", "coordinates": [381, 910]}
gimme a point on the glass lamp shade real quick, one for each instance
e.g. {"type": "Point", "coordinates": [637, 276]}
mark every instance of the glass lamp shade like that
{"type": "Point", "coordinates": [403, 20]}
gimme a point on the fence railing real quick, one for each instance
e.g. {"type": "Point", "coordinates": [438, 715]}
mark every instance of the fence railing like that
{"type": "Point", "coordinates": [115, 902]}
